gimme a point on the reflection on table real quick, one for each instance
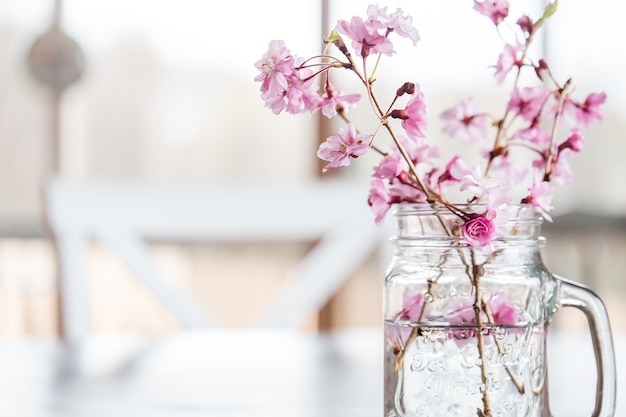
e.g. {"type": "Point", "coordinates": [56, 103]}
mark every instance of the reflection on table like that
{"type": "Point", "coordinates": [240, 373]}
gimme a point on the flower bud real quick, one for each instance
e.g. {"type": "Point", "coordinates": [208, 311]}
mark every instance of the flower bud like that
{"type": "Point", "coordinates": [399, 114]}
{"type": "Point", "coordinates": [541, 67]}
{"type": "Point", "coordinates": [408, 88]}
{"type": "Point", "coordinates": [573, 142]}
{"type": "Point", "coordinates": [526, 25]}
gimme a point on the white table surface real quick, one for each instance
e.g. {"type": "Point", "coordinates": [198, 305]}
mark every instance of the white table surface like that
{"type": "Point", "coordinates": [241, 373]}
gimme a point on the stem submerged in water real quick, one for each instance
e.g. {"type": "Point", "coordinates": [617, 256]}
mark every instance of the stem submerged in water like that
{"type": "Point", "coordinates": [476, 274]}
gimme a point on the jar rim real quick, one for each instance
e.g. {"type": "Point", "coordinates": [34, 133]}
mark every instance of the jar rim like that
{"type": "Point", "coordinates": [519, 224]}
{"type": "Point", "coordinates": [515, 212]}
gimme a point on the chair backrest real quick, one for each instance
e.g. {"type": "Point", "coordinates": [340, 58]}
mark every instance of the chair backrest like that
{"type": "Point", "coordinates": [123, 216]}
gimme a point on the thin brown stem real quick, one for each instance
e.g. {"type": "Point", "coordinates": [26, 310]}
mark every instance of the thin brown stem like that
{"type": "Point", "coordinates": [477, 272]}
{"type": "Point", "coordinates": [557, 116]}
{"type": "Point", "coordinates": [514, 377]}
{"type": "Point", "coordinates": [412, 169]}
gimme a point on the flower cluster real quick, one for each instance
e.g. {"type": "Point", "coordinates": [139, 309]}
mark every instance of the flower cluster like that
{"type": "Point", "coordinates": [542, 117]}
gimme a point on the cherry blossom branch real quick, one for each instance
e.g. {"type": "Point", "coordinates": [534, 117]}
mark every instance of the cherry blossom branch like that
{"type": "Point", "coordinates": [550, 166]}
{"type": "Point", "coordinates": [384, 121]}
{"type": "Point", "coordinates": [500, 124]}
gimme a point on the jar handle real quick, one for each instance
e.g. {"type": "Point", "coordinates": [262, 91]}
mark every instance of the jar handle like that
{"type": "Point", "coordinates": [578, 296]}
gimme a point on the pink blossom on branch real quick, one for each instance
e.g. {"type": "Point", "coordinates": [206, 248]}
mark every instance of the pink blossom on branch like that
{"type": "Point", "coordinates": [573, 142]}
{"type": "Point", "coordinates": [586, 112]}
{"type": "Point", "coordinates": [276, 66]}
{"type": "Point", "coordinates": [465, 123]}
{"type": "Point", "coordinates": [390, 166]}
{"type": "Point", "coordinates": [563, 173]}
{"type": "Point", "coordinates": [379, 199]}
{"type": "Point", "coordinates": [420, 152]}
{"type": "Point", "coordinates": [528, 102]}
{"type": "Point", "coordinates": [540, 198]}
{"type": "Point", "coordinates": [414, 115]}
{"type": "Point", "coordinates": [510, 57]}
{"type": "Point", "coordinates": [446, 177]}
{"type": "Point", "coordinates": [486, 189]}
{"type": "Point", "coordinates": [525, 24]}
{"type": "Point", "coordinates": [346, 144]}
{"type": "Point", "coordinates": [364, 40]}
{"type": "Point", "coordinates": [334, 99]}
{"type": "Point", "coordinates": [295, 92]}
{"type": "Point", "coordinates": [302, 96]}
{"type": "Point", "coordinates": [479, 231]}
{"type": "Point", "coordinates": [496, 10]}
{"type": "Point", "coordinates": [534, 134]}
{"type": "Point", "coordinates": [378, 18]}
{"type": "Point", "coordinates": [560, 170]}
{"type": "Point", "coordinates": [410, 172]}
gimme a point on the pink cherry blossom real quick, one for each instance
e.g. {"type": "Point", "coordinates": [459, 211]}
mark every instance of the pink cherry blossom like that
{"type": "Point", "coordinates": [560, 170]}
{"type": "Point", "coordinates": [420, 152]}
{"type": "Point", "coordinates": [446, 176]}
{"type": "Point", "coordinates": [535, 134]}
{"type": "Point", "coordinates": [525, 24]}
{"type": "Point", "coordinates": [298, 95]}
{"type": "Point", "coordinates": [587, 112]}
{"type": "Point", "coordinates": [563, 172]}
{"type": "Point", "coordinates": [411, 171]}
{"type": "Point", "coordinates": [338, 149]}
{"type": "Point", "coordinates": [302, 95]}
{"type": "Point", "coordinates": [413, 116]}
{"type": "Point", "coordinates": [492, 192]}
{"type": "Point", "coordinates": [496, 10]}
{"type": "Point", "coordinates": [470, 178]}
{"type": "Point", "coordinates": [276, 66]}
{"type": "Point", "coordinates": [379, 199]}
{"type": "Point", "coordinates": [573, 142]}
{"type": "Point", "coordinates": [333, 99]}
{"type": "Point", "coordinates": [276, 102]}
{"type": "Point", "coordinates": [364, 41]}
{"type": "Point", "coordinates": [510, 57]}
{"type": "Point", "coordinates": [528, 102]}
{"type": "Point", "coordinates": [540, 197]}
{"type": "Point", "coordinates": [390, 166]}
{"type": "Point", "coordinates": [478, 232]}
{"type": "Point", "coordinates": [464, 122]}
{"type": "Point", "coordinates": [378, 18]}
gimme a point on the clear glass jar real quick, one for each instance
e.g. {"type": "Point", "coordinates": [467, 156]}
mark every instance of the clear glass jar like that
{"type": "Point", "coordinates": [465, 328]}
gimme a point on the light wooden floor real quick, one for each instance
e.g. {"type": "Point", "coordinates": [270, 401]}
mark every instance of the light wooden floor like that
{"type": "Point", "coordinates": [233, 282]}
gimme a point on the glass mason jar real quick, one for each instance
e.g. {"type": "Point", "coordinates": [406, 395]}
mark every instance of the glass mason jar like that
{"type": "Point", "coordinates": [465, 328]}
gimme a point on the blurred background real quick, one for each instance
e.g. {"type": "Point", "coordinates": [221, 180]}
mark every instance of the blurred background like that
{"type": "Point", "coordinates": [162, 92]}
